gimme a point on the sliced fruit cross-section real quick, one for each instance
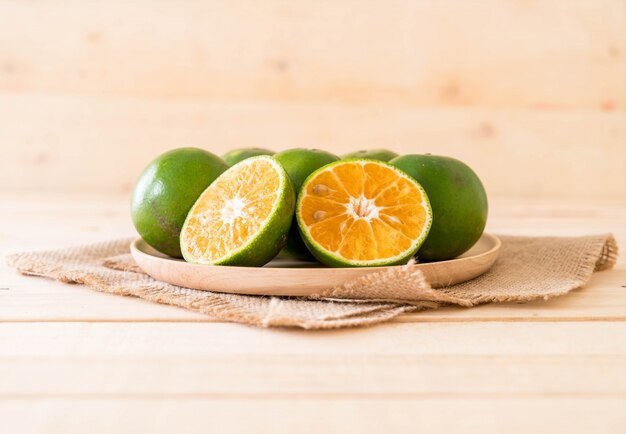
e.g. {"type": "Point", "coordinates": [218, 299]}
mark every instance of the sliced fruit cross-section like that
{"type": "Point", "coordinates": [362, 213]}
{"type": "Point", "coordinates": [242, 218]}
{"type": "Point", "coordinates": [299, 163]}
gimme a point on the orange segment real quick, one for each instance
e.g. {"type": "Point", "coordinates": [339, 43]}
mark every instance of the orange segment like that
{"type": "Point", "coordinates": [328, 186]}
{"type": "Point", "coordinates": [353, 173]}
{"type": "Point", "coordinates": [231, 211]}
{"type": "Point", "coordinates": [377, 179]}
{"type": "Point", "coordinates": [326, 231]}
{"type": "Point", "coordinates": [363, 213]}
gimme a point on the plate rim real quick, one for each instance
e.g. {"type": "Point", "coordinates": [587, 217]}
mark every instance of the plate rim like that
{"type": "Point", "coordinates": [497, 244]}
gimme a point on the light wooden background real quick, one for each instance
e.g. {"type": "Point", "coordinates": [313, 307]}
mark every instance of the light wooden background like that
{"type": "Point", "coordinates": [530, 93]}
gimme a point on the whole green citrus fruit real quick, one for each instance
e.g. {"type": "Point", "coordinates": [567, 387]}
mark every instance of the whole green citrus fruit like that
{"type": "Point", "coordinates": [458, 200]}
{"type": "Point", "coordinates": [236, 155]}
{"type": "Point", "coordinates": [374, 154]}
{"type": "Point", "coordinates": [299, 163]}
{"type": "Point", "coordinates": [165, 192]}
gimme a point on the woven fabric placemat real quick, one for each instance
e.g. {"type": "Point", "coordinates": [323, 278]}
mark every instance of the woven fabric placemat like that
{"type": "Point", "coordinates": [528, 268]}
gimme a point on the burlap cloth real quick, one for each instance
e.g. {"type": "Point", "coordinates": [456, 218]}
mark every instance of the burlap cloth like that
{"type": "Point", "coordinates": [528, 268]}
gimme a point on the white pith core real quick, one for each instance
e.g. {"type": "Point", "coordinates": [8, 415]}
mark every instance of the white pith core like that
{"type": "Point", "coordinates": [362, 208]}
{"type": "Point", "coordinates": [233, 209]}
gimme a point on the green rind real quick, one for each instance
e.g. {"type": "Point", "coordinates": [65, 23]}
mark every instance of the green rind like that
{"type": "Point", "coordinates": [332, 260]}
{"type": "Point", "coordinates": [266, 244]}
{"type": "Point", "coordinates": [238, 155]}
{"type": "Point", "coordinates": [372, 154]}
{"type": "Point", "coordinates": [299, 163]}
{"type": "Point", "coordinates": [458, 200]}
{"type": "Point", "coordinates": [165, 192]}
{"type": "Point", "coordinates": [295, 247]}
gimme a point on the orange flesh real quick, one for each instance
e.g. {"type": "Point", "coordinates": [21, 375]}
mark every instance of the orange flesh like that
{"type": "Point", "coordinates": [231, 211]}
{"type": "Point", "coordinates": [363, 211]}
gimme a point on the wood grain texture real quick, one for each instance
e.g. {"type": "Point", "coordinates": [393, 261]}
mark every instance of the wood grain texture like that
{"type": "Point", "coordinates": [100, 145]}
{"type": "Point", "coordinates": [51, 221]}
{"type": "Point", "coordinates": [71, 358]}
{"type": "Point", "coordinates": [436, 414]}
{"type": "Point", "coordinates": [530, 94]}
{"type": "Point", "coordinates": [492, 53]}
{"type": "Point", "coordinates": [163, 340]}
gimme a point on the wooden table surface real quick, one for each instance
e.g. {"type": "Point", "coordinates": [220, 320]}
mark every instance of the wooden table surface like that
{"type": "Point", "coordinates": [73, 360]}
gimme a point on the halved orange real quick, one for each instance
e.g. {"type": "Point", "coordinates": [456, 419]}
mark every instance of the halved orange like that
{"type": "Point", "coordinates": [362, 213]}
{"type": "Point", "coordinates": [242, 218]}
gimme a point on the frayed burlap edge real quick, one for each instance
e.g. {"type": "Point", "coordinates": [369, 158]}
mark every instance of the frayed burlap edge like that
{"type": "Point", "coordinates": [595, 253]}
{"type": "Point", "coordinates": [85, 265]}
{"type": "Point", "coordinates": [406, 284]}
{"type": "Point", "coordinates": [93, 265]}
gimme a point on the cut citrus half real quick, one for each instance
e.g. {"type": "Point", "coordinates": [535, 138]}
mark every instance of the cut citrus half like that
{"type": "Point", "coordinates": [299, 163]}
{"type": "Point", "coordinates": [362, 213]}
{"type": "Point", "coordinates": [242, 218]}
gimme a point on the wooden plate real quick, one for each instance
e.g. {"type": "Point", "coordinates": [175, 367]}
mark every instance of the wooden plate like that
{"type": "Point", "coordinates": [299, 278]}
